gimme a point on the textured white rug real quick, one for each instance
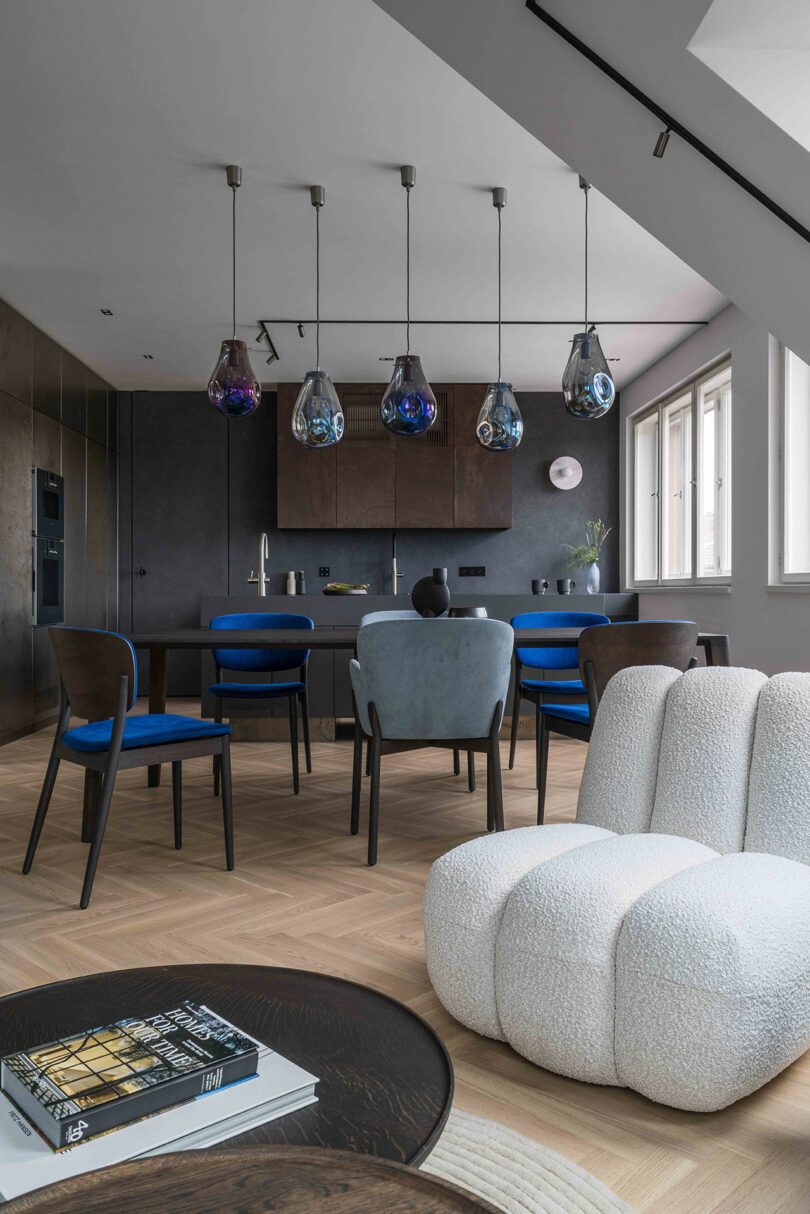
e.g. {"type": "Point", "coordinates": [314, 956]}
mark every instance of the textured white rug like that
{"type": "Point", "coordinates": [514, 1173]}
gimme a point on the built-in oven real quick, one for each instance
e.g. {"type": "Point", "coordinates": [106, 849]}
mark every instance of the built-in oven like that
{"type": "Point", "coordinates": [48, 571]}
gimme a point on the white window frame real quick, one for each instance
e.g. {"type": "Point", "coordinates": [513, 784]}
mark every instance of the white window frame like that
{"type": "Point", "coordinates": [691, 393]}
{"type": "Point", "coordinates": [794, 578]}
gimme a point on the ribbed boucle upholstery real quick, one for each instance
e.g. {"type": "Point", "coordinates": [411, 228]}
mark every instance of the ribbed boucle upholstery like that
{"type": "Point", "coordinates": [465, 898]}
{"type": "Point", "coordinates": [779, 789]}
{"type": "Point", "coordinates": [705, 756]}
{"type": "Point", "coordinates": [650, 960]}
{"type": "Point", "coordinates": [621, 770]}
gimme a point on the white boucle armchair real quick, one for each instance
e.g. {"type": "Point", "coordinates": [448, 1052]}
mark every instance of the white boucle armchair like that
{"type": "Point", "coordinates": [661, 942]}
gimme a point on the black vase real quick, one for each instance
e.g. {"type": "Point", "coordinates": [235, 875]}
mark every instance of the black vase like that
{"type": "Point", "coordinates": [430, 596]}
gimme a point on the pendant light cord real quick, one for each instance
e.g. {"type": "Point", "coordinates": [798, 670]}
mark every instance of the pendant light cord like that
{"type": "Point", "coordinates": [587, 191]}
{"type": "Point", "coordinates": [499, 294]}
{"type": "Point", "coordinates": [233, 192]}
{"type": "Point", "coordinates": [408, 270]}
{"type": "Point", "coordinates": [317, 288]}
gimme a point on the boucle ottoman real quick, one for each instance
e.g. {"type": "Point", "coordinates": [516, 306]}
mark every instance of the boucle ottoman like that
{"type": "Point", "coordinates": [669, 962]}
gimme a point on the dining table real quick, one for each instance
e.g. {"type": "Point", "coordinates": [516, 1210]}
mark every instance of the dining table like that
{"type": "Point", "coordinates": [158, 643]}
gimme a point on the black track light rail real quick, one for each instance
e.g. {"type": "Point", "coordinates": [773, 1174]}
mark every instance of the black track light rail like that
{"type": "Point", "coordinates": [667, 119]}
{"type": "Point", "coordinates": [265, 324]}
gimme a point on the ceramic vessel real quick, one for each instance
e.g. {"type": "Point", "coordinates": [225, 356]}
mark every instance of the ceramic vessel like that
{"type": "Point", "coordinates": [430, 596]}
{"type": "Point", "coordinates": [592, 581]}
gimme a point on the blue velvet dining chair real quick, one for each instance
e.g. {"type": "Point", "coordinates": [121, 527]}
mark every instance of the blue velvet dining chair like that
{"type": "Point", "coordinates": [562, 658]}
{"type": "Point", "coordinates": [99, 683]}
{"type": "Point", "coordinates": [264, 661]}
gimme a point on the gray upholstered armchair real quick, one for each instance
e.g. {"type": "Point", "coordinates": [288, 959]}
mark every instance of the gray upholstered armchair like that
{"type": "Point", "coordinates": [438, 682]}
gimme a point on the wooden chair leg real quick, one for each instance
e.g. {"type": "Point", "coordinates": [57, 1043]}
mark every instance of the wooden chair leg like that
{"type": "Point", "coordinates": [102, 814]}
{"type": "Point", "coordinates": [490, 796]}
{"type": "Point", "coordinates": [305, 725]}
{"type": "Point", "coordinates": [42, 808]}
{"type": "Point", "coordinates": [368, 759]}
{"type": "Point", "coordinates": [515, 716]}
{"type": "Point", "coordinates": [357, 772]}
{"type": "Point", "coordinates": [227, 801]}
{"type": "Point", "coordinates": [542, 766]}
{"type": "Point", "coordinates": [456, 763]}
{"type": "Point", "coordinates": [471, 770]}
{"type": "Point", "coordinates": [217, 758]}
{"type": "Point", "coordinates": [177, 802]}
{"type": "Point", "coordinates": [294, 741]}
{"type": "Point", "coordinates": [497, 790]}
{"type": "Point", "coordinates": [92, 792]}
{"type": "Point", "coordinates": [375, 747]}
{"type": "Point", "coordinates": [538, 729]}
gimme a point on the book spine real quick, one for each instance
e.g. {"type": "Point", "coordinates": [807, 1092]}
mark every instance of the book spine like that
{"type": "Point", "coordinates": [115, 1113]}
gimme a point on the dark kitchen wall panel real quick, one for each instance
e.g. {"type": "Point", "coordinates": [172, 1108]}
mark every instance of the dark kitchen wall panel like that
{"type": "Point", "coordinates": [46, 453]}
{"type": "Point", "coordinates": [74, 393]}
{"type": "Point", "coordinates": [47, 372]}
{"type": "Point", "coordinates": [16, 354]}
{"type": "Point", "coordinates": [96, 409]}
{"type": "Point", "coordinates": [179, 516]}
{"type": "Point", "coordinates": [98, 524]}
{"type": "Point", "coordinates": [16, 698]}
{"type": "Point", "coordinates": [251, 491]}
{"type": "Point", "coordinates": [125, 566]}
{"type": "Point", "coordinates": [74, 470]}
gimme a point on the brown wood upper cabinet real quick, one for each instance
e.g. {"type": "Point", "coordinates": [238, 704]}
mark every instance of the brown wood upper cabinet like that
{"type": "Point", "coordinates": [372, 478]}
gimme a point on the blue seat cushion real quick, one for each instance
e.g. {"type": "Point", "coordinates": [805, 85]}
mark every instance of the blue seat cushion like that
{"type": "Point", "coordinates": [259, 691]}
{"type": "Point", "coordinates": [147, 730]}
{"type": "Point", "coordinates": [561, 687]}
{"type": "Point", "coordinates": [568, 712]}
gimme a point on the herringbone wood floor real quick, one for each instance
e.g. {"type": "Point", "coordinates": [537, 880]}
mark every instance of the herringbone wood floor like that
{"type": "Point", "coordinates": [302, 895]}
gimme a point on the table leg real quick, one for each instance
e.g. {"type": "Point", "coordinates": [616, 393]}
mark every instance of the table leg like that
{"type": "Point", "coordinates": [157, 698]}
{"type": "Point", "coordinates": [717, 651]}
{"type": "Point", "coordinates": [92, 791]}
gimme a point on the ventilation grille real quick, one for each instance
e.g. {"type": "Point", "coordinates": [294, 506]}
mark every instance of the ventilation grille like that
{"type": "Point", "coordinates": [364, 427]}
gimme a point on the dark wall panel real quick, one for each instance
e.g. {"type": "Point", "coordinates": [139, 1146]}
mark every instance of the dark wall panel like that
{"type": "Point", "coordinates": [16, 698]}
{"type": "Point", "coordinates": [16, 358]}
{"type": "Point", "coordinates": [74, 393]}
{"type": "Point", "coordinates": [96, 409]}
{"type": "Point", "coordinates": [180, 515]}
{"type": "Point", "coordinates": [74, 470]}
{"type": "Point", "coordinates": [47, 376]}
{"type": "Point", "coordinates": [98, 523]}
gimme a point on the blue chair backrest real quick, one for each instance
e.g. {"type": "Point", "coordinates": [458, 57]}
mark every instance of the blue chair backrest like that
{"type": "Point", "coordinates": [261, 659]}
{"type": "Point", "coordinates": [564, 658]}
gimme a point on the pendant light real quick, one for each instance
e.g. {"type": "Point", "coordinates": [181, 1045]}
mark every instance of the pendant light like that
{"type": "Point", "coordinates": [233, 387]}
{"type": "Point", "coordinates": [317, 419]}
{"type": "Point", "coordinates": [408, 406]}
{"type": "Point", "coordinates": [500, 426]}
{"type": "Point", "coordinates": [587, 384]}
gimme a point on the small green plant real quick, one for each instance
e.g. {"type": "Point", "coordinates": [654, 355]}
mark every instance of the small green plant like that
{"type": "Point", "coordinates": [581, 555]}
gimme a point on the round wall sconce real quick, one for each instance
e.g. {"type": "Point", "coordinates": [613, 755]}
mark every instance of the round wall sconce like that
{"type": "Point", "coordinates": [565, 472]}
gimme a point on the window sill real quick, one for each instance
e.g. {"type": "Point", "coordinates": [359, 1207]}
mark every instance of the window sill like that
{"type": "Point", "coordinates": [789, 588]}
{"type": "Point", "coordinates": [720, 588]}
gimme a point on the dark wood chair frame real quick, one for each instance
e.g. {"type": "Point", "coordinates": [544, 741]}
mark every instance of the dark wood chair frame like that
{"type": "Point", "coordinates": [595, 681]}
{"type": "Point", "coordinates": [295, 698]}
{"type": "Point", "coordinates": [379, 746]}
{"type": "Point", "coordinates": [456, 763]}
{"type": "Point", "coordinates": [534, 697]}
{"type": "Point", "coordinates": [106, 764]}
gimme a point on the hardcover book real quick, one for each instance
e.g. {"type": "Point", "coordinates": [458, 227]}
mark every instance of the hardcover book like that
{"type": "Point", "coordinates": [86, 1084]}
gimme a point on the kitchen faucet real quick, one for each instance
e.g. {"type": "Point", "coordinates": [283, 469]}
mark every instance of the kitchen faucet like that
{"type": "Point", "coordinates": [263, 578]}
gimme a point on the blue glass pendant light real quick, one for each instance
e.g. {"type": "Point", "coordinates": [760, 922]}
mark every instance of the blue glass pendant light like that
{"type": "Point", "coordinates": [408, 406]}
{"type": "Point", "coordinates": [588, 387]}
{"type": "Point", "coordinates": [317, 419]}
{"type": "Point", "coordinates": [499, 426]}
{"type": "Point", "coordinates": [233, 388]}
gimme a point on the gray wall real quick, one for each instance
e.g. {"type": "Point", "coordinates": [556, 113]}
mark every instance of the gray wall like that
{"type": "Point", "coordinates": [767, 624]}
{"type": "Point", "coordinates": [55, 413]}
{"type": "Point", "coordinates": [197, 491]}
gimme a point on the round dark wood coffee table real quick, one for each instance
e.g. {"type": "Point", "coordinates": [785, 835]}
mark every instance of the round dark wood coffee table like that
{"type": "Point", "coordinates": [385, 1079]}
{"type": "Point", "coordinates": [287, 1180]}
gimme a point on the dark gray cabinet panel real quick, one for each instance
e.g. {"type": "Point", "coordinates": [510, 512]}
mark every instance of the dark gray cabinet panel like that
{"type": "Point", "coordinates": [74, 470]}
{"type": "Point", "coordinates": [47, 376]}
{"type": "Point", "coordinates": [16, 700]}
{"type": "Point", "coordinates": [112, 419]}
{"type": "Point", "coordinates": [97, 535]}
{"type": "Point", "coordinates": [16, 361]}
{"type": "Point", "coordinates": [251, 492]}
{"type": "Point", "coordinates": [96, 409]}
{"type": "Point", "coordinates": [47, 443]}
{"type": "Point", "coordinates": [74, 393]}
{"type": "Point", "coordinates": [179, 516]}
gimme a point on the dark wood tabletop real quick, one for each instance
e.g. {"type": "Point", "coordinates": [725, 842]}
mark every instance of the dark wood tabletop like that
{"type": "Point", "coordinates": [285, 1180]}
{"type": "Point", "coordinates": [385, 1079]}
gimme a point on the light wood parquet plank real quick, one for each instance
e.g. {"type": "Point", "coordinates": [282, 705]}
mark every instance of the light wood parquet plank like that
{"type": "Point", "coordinates": [302, 895]}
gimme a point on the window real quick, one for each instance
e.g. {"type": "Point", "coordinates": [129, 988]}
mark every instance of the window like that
{"type": "Point", "coordinates": [795, 463]}
{"type": "Point", "coordinates": [681, 469]}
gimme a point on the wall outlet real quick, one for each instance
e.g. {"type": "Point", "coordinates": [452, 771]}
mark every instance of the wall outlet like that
{"type": "Point", "coordinates": [323, 571]}
{"type": "Point", "coordinates": [472, 571]}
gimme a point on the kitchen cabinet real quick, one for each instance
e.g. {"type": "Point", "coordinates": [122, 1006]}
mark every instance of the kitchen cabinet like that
{"type": "Point", "coordinates": [482, 479]}
{"type": "Point", "coordinates": [306, 480]}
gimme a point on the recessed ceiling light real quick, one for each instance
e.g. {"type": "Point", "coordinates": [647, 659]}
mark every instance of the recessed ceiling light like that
{"type": "Point", "coordinates": [106, 311]}
{"type": "Point", "coordinates": [149, 356]}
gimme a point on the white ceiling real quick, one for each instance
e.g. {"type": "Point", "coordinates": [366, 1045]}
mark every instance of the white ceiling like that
{"type": "Point", "coordinates": [762, 51]}
{"type": "Point", "coordinates": [119, 116]}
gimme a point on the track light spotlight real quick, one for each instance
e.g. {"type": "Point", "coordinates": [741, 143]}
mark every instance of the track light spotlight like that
{"type": "Point", "coordinates": [300, 330]}
{"type": "Point", "coordinates": [661, 143]}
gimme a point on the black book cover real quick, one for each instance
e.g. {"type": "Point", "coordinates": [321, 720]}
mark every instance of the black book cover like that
{"type": "Point", "coordinates": [83, 1085]}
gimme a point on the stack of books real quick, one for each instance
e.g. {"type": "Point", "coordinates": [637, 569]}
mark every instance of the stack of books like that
{"type": "Point", "coordinates": [178, 1080]}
